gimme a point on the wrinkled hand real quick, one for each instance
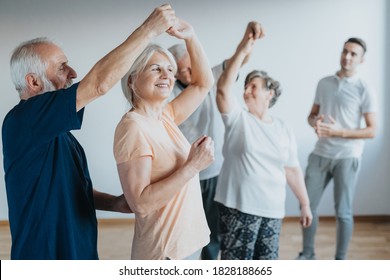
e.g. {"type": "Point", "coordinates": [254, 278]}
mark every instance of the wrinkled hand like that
{"type": "Point", "coordinates": [331, 129]}
{"type": "Point", "coordinates": [201, 153]}
{"type": "Point", "coordinates": [181, 30]}
{"type": "Point", "coordinates": [306, 216]}
{"type": "Point", "coordinates": [160, 20]}
{"type": "Point", "coordinates": [254, 30]}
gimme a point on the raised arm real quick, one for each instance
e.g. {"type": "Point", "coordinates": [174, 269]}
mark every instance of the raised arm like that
{"type": "Point", "coordinates": [202, 77]}
{"type": "Point", "coordinates": [112, 67]}
{"type": "Point", "coordinates": [225, 82]}
{"type": "Point", "coordinates": [253, 28]}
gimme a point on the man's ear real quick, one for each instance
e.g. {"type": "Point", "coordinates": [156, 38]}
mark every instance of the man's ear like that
{"type": "Point", "coordinates": [34, 83]}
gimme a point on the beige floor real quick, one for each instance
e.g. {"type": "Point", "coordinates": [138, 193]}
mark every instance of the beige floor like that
{"type": "Point", "coordinates": [371, 239]}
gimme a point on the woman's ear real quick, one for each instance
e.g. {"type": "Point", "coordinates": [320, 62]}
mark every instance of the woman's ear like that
{"type": "Point", "coordinates": [130, 81]}
{"type": "Point", "coordinates": [271, 94]}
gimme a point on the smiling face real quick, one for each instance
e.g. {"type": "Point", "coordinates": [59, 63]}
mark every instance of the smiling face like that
{"type": "Point", "coordinates": [155, 82]}
{"type": "Point", "coordinates": [256, 94]}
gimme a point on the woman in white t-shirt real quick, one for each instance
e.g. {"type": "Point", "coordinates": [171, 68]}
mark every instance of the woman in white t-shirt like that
{"type": "Point", "coordinates": [260, 158]}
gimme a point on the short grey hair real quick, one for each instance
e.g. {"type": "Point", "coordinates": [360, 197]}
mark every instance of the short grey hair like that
{"type": "Point", "coordinates": [25, 60]}
{"type": "Point", "coordinates": [179, 51]}
{"type": "Point", "coordinates": [139, 65]}
{"type": "Point", "coordinates": [270, 84]}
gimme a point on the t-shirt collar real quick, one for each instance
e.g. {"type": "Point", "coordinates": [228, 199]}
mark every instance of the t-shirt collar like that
{"type": "Point", "coordinates": [350, 80]}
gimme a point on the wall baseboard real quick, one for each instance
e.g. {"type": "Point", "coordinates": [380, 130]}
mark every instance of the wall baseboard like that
{"type": "Point", "coordinates": [364, 219]}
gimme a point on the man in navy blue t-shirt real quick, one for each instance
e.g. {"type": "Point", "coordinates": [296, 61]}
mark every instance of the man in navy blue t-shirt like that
{"type": "Point", "coordinates": [50, 195]}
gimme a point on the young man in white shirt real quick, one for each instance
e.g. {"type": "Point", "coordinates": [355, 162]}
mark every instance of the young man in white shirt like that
{"type": "Point", "coordinates": [341, 102]}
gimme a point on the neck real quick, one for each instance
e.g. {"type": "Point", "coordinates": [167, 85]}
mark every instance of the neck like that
{"type": "Point", "coordinates": [153, 111]}
{"type": "Point", "coordinates": [27, 95]}
{"type": "Point", "coordinates": [343, 73]}
{"type": "Point", "coordinates": [261, 114]}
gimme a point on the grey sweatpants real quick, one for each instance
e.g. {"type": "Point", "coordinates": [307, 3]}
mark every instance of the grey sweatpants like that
{"type": "Point", "coordinates": [319, 172]}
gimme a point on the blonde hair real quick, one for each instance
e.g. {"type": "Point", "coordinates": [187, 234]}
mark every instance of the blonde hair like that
{"type": "Point", "coordinates": [139, 65]}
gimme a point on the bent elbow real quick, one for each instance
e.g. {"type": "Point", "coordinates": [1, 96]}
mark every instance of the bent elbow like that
{"type": "Point", "coordinates": [206, 84]}
{"type": "Point", "coordinates": [102, 88]}
{"type": "Point", "coordinates": [372, 133]}
{"type": "Point", "coordinates": [141, 210]}
{"type": "Point", "coordinates": [210, 82]}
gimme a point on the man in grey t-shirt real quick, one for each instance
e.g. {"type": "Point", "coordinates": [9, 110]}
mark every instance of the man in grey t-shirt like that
{"type": "Point", "coordinates": [341, 102]}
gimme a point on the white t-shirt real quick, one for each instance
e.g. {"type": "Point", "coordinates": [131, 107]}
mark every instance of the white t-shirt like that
{"type": "Point", "coordinates": [206, 120]}
{"type": "Point", "coordinates": [346, 100]}
{"type": "Point", "coordinates": [252, 178]}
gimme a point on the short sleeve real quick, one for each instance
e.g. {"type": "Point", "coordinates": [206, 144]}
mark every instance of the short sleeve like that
{"type": "Point", "coordinates": [50, 114]}
{"type": "Point", "coordinates": [317, 95]}
{"type": "Point", "coordinates": [130, 142]}
{"type": "Point", "coordinates": [369, 102]}
{"type": "Point", "coordinates": [230, 117]}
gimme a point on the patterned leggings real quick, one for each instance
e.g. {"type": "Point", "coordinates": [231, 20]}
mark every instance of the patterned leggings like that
{"type": "Point", "coordinates": [248, 237]}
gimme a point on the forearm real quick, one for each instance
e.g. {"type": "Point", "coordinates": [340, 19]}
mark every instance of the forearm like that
{"type": "Point", "coordinates": [158, 194]}
{"type": "Point", "coordinates": [104, 201]}
{"type": "Point", "coordinates": [229, 75]}
{"type": "Point", "coordinates": [363, 133]}
{"type": "Point", "coordinates": [112, 67]}
{"type": "Point", "coordinates": [297, 184]}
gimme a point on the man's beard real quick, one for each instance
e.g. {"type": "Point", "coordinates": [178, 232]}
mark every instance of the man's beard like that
{"type": "Point", "coordinates": [49, 86]}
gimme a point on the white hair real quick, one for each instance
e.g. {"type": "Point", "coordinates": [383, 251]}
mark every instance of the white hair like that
{"type": "Point", "coordinates": [25, 60]}
{"type": "Point", "coordinates": [179, 51]}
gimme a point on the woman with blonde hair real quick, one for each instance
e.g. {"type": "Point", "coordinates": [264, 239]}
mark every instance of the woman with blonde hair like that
{"type": "Point", "coordinates": [158, 168]}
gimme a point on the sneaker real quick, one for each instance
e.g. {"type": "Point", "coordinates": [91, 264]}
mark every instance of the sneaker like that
{"type": "Point", "coordinates": [301, 256]}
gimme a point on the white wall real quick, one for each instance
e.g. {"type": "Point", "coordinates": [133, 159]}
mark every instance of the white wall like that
{"type": "Point", "coordinates": [303, 43]}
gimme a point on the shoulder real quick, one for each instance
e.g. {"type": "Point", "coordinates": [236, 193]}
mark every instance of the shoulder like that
{"type": "Point", "coordinates": [364, 85]}
{"type": "Point", "coordinates": [327, 79]}
{"type": "Point", "coordinates": [129, 122]}
{"type": "Point", "coordinates": [218, 69]}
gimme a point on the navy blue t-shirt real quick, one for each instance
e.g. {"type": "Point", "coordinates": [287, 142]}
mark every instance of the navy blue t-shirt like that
{"type": "Point", "coordinates": [49, 190]}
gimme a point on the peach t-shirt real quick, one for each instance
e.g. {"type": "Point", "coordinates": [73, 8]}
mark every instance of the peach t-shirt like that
{"type": "Point", "coordinates": [178, 229]}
